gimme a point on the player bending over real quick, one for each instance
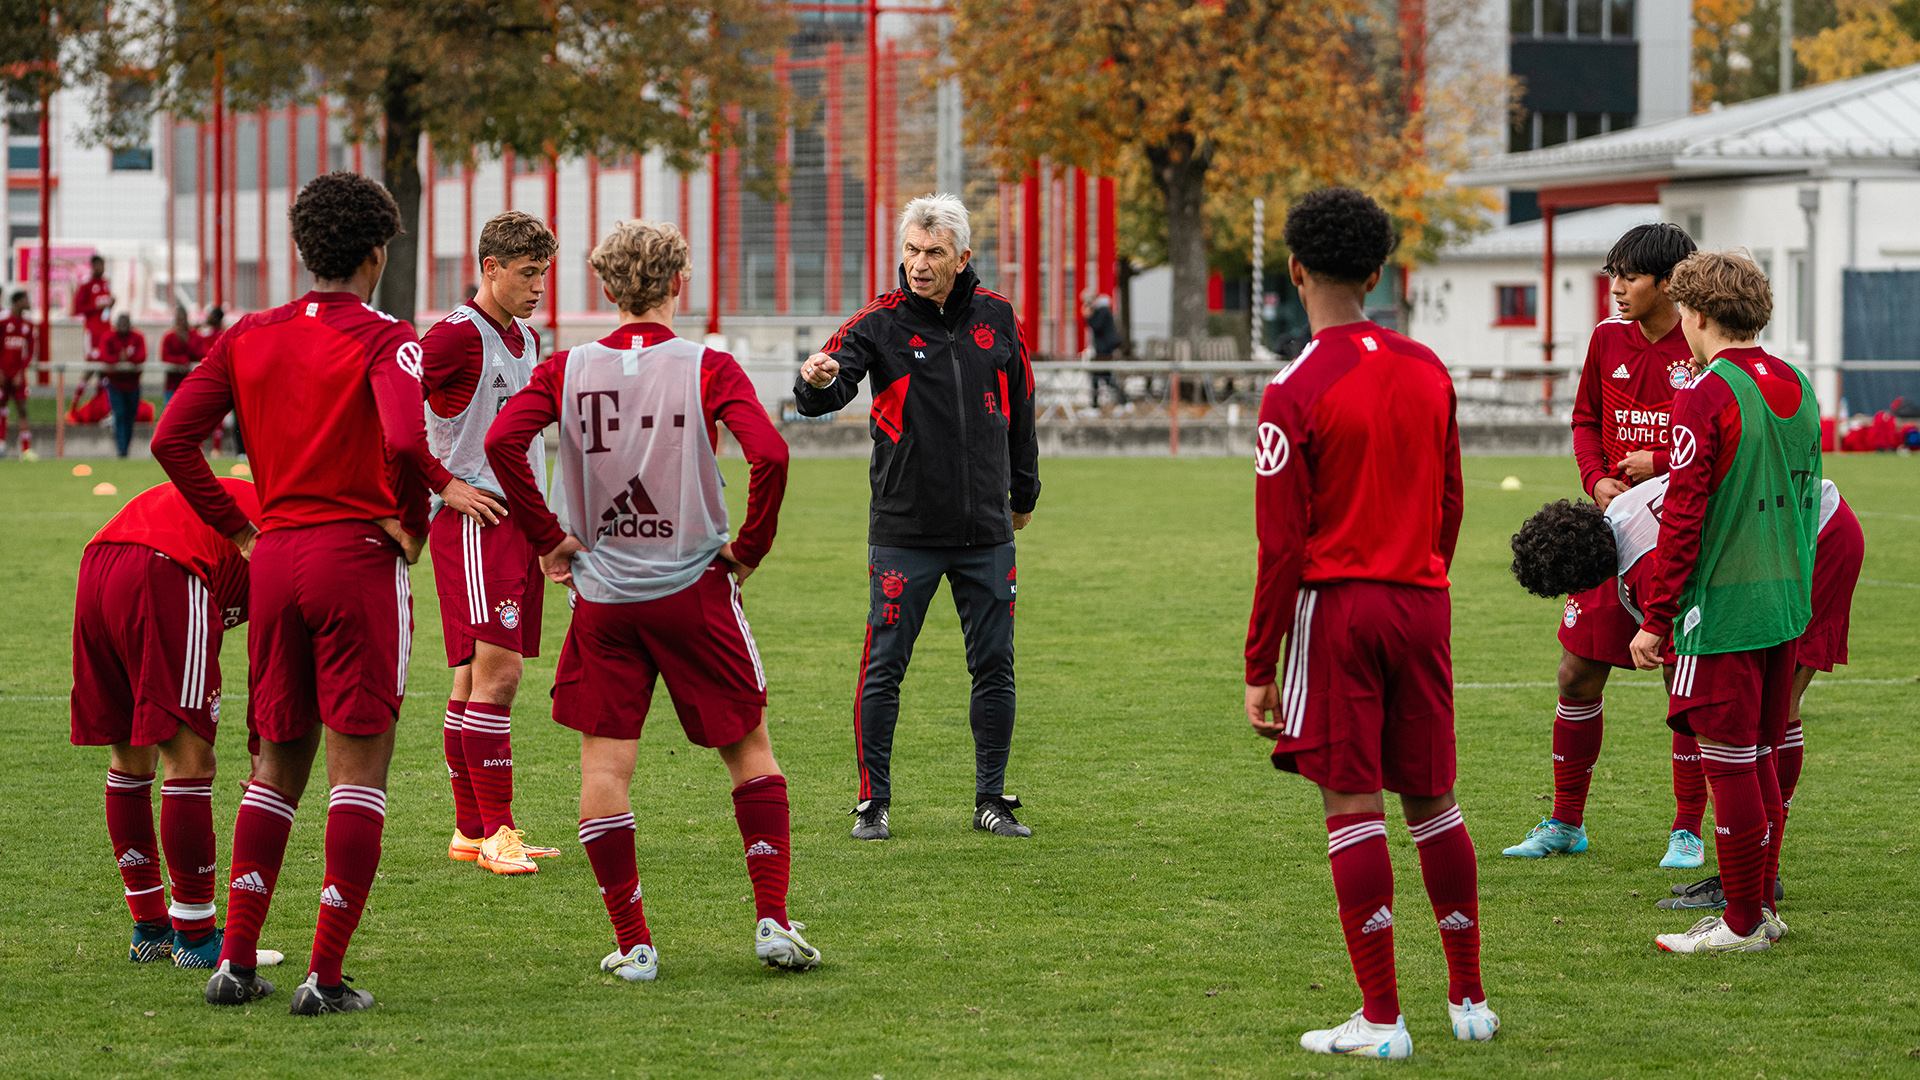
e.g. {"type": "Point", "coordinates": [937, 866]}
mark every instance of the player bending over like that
{"type": "Point", "coordinates": [157, 589]}
{"type": "Point", "coordinates": [488, 578]}
{"type": "Point", "coordinates": [1358, 501]}
{"type": "Point", "coordinates": [642, 541]}
{"type": "Point", "coordinates": [1635, 361]}
{"type": "Point", "coordinates": [326, 392]}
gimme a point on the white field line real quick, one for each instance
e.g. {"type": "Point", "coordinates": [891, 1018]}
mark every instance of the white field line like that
{"type": "Point", "coordinates": [1659, 686]}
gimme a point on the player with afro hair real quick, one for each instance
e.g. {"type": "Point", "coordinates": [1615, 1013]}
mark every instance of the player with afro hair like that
{"type": "Point", "coordinates": [1339, 235]}
{"type": "Point", "coordinates": [339, 220]}
{"type": "Point", "coordinates": [1564, 549]}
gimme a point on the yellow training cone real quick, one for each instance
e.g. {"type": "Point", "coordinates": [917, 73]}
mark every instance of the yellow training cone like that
{"type": "Point", "coordinates": [104, 488]}
{"type": "Point", "coordinates": [83, 470]}
{"type": "Point", "coordinates": [1511, 483]}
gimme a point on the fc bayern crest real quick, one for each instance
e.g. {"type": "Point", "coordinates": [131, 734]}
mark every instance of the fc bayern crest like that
{"type": "Point", "coordinates": [983, 335]}
{"type": "Point", "coordinates": [1572, 613]}
{"type": "Point", "coordinates": [213, 706]}
{"type": "Point", "coordinates": [893, 583]}
{"type": "Point", "coordinates": [509, 614]}
{"type": "Point", "coordinates": [1678, 375]}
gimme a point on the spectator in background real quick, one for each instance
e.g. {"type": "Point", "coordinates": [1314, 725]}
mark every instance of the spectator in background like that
{"type": "Point", "coordinates": [1097, 313]}
{"type": "Point", "coordinates": [179, 351]}
{"type": "Point", "coordinates": [123, 351]}
{"type": "Point", "coordinates": [206, 336]}
{"type": "Point", "coordinates": [18, 338]}
{"type": "Point", "coordinates": [92, 302]}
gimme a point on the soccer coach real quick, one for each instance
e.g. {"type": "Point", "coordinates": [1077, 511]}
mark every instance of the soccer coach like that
{"type": "Point", "coordinates": [955, 471]}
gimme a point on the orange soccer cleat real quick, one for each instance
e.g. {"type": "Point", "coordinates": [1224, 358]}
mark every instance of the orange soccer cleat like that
{"type": "Point", "coordinates": [463, 848]}
{"type": "Point", "coordinates": [503, 853]}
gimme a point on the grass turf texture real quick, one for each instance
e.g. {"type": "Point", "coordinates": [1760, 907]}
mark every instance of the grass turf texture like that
{"type": "Point", "coordinates": [1172, 915]}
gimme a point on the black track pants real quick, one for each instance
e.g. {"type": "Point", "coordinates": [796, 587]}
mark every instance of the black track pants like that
{"type": "Point", "coordinates": [901, 583]}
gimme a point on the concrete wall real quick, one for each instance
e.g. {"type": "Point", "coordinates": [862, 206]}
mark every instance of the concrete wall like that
{"type": "Point", "coordinates": [1454, 308]}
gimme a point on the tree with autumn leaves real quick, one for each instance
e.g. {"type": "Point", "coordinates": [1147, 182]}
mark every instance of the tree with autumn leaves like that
{"type": "Point", "coordinates": [1214, 102]}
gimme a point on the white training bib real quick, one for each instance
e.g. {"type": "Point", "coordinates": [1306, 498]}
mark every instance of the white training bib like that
{"type": "Point", "coordinates": [460, 441]}
{"type": "Point", "coordinates": [1634, 515]}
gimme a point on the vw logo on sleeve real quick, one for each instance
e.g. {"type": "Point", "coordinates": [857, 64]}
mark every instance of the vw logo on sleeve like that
{"type": "Point", "coordinates": [1684, 445]}
{"type": "Point", "coordinates": [1274, 450]}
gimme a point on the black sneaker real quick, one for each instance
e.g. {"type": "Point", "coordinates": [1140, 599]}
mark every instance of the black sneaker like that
{"type": "Point", "coordinates": [994, 814]}
{"type": "Point", "coordinates": [312, 999]}
{"type": "Point", "coordinates": [1706, 893]}
{"type": "Point", "coordinates": [870, 820]}
{"type": "Point", "coordinates": [236, 985]}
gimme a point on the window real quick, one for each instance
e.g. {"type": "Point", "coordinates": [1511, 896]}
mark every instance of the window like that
{"type": "Point", "coordinates": [1514, 305]}
{"type": "Point", "coordinates": [1553, 128]}
{"type": "Point", "coordinates": [1520, 18]}
{"type": "Point", "coordinates": [1586, 19]}
{"type": "Point", "coordinates": [23, 157]}
{"type": "Point", "coordinates": [133, 159]}
{"type": "Point", "coordinates": [1587, 125]}
{"type": "Point", "coordinates": [448, 290]}
{"type": "Point", "coordinates": [1620, 19]}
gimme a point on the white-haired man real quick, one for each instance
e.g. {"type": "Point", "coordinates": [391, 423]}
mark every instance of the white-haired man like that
{"type": "Point", "coordinates": [955, 472]}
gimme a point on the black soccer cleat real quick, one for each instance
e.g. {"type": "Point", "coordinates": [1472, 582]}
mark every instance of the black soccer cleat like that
{"type": "Point", "coordinates": [1707, 894]}
{"type": "Point", "coordinates": [236, 986]}
{"type": "Point", "coordinates": [994, 814]}
{"type": "Point", "coordinates": [870, 820]}
{"type": "Point", "coordinates": [312, 999]}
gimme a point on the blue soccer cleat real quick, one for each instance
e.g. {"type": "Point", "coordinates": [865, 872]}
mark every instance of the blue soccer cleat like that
{"type": "Point", "coordinates": [1685, 851]}
{"type": "Point", "coordinates": [1551, 837]}
{"type": "Point", "coordinates": [151, 941]}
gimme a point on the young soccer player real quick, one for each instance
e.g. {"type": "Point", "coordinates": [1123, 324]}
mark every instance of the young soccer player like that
{"type": "Point", "coordinates": [642, 541]}
{"type": "Point", "coordinates": [1358, 502]}
{"type": "Point", "coordinates": [93, 305]}
{"type": "Point", "coordinates": [179, 351]}
{"type": "Point", "coordinates": [327, 392]}
{"type": "Point", "coordinates": [489, 579]}
{"type": "Point", "coordinates": [1635, 361]}
{"type": "Point", "coordinates": [157, 589]}
{"type": "Point", "coordinates": [18, 340]}
{"type": "Point", "coordinates": [1734, 584]}
{"type": "Point", "coordinates": [124, 351]}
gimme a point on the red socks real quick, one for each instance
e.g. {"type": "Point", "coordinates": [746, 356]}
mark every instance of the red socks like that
{"type": "Point", "coordinates": [1787, 763]}
{"type": "Point", "coordinates": [1740, 830]}
{"type": "Point", "coordinates": [486, 738]}
{"type": "Point", "coordinates": [1765, 770]}
{"type": "Point", "coordinates": [130, 827]}
{"type": "Point", "coordinates": [1577, 726]}
{"type": "Point", "coordinates": [760, 809]}
{"type": "Point", "coordinates": [355, 818]}
{"type": "Point", "coordinates": [1363, 886]}
{"type": "Point", "coordinates": [186, 833]}
{"type": "Point", "coordinates": [1453, 886]}
{"type": "Point", "coordinates": [259, 844]}
{"type": "Point", "coordinates": [466, 811]}
{"type": "Point", "coordinates": [1689, 785]}
{"type": "Point", "coordinates": [609, 844]}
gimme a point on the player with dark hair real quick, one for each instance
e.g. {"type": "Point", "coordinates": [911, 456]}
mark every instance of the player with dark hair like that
{"type": "Point", "coordinates": [327, 392]}
{"type": "Point", "coordinates": [489, 580]}
{"type": "Point", "coordinates": [18, 340]}
{"type": "Point", "coordinates": [157, 589]}
{"type": "Point", "coordinates": [93, 305]}
{"type": "Point", "coordinates": [123, 352]}
{"type": "Point", "coordinates": [1635, 361]}
{"type": "Point", "coordinates": [642, 541]}
{"type": "Point", "coordinates": [1358, 504]}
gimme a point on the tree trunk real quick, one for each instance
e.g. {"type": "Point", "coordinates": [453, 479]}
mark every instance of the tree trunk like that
{"type": "Point", "coordinates": [1123, 304]}
{"type": "Point", "coordinates": [1180, 171]}
{"type": "Point", "coordinates": [400, 164]}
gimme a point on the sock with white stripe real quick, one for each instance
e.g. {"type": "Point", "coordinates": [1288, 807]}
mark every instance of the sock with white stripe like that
{"type": "Point", "coordinates": [260, 831]}
{"type": "Point", "coordinates": [1740, 829]}
{"type": "Point", "coordinates": [1453, 886]}
{"type": "Point", "coordinates": [1577, 727]}
{"type": "Point", "coordinates": [1766, 769]}
{"type": "Point", "coordinates": [186, 834]}
{"type": "Point", "coordinates": [130, 827]}
{"type": "Point", "coordinates": [356, 817]}
{"type": "Point", "coordinates": [1689, 785]}
{"type": "Point", "coordinates": [760, 809]}
{"type": "Point", "coordinates": [466, 811]}
{"type": "Point", "coordinates": [609, 844]}
{"type": "Point", "coordinates": [1787, 761]}
{"type": "Point", "coordinates": [486, 738]}
{"type": "Point", "coordinates": [1363, 886]}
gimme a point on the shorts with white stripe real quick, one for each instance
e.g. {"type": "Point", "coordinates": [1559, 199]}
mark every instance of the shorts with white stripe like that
{"type": "Point", "coordinates": [490, 586]}
{"type": "Point", "coordinates": [1736, 698]}
{"type": "Point", "coordinates": [146, 649]}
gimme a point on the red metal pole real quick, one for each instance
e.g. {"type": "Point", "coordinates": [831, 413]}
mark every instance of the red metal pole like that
{"type": "Point", "coordinates": [219, 180]}
{"type": "Point", "coordinates": [835, 230]}
{"type": "Point", "coordinates": [1079, 257]}
{"type": "Point", "coordinates": [233, 204]}
{"type": "Point", "coordinates": [507, 165]}
{"type": "Point", "coordinates": [427, 231]}
{"type": "Point", "coordinates": [173, 146]}
{"type": "Point", "coordinates": [871, 229]}
{"type": "Point", "coordinates": [685, 222]}
{"type": "Point", "coordinates": [261, 124]}
{"type": "Point", "coordinates": [1030, 258]}
{"type": "Point", "coordinates": [46, 234]}
{"type": "Point", "coordinates": [293, 189]}
{"type": "Point", "coordinates": [714, 206]}
{"type": "Point", "coordinates": [884, 251]}
{"type": "Point", "coordinates": [553, 268]}
{"type": "Point", "coordinates": [782, 217]}
{"type": "Point", "coordinates": [1546, 339]}
{"type": "Point", "coordinates": [200, 285]}
{"type": "Point", "coordinates": [639, 187]}
{"type": "Point", "coordinates": [1107, 257]}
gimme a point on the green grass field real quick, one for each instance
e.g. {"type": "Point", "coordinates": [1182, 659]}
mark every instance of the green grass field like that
{"type": "Point", "coordinates": [1171, 916]}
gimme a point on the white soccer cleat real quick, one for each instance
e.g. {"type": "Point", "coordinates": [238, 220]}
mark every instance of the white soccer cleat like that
{"type": "Point", "coordinates": [1772, 925]}
{"type": "Point", "coordinates": [1473, 1021]}
{"type": "Point", "coordinates": [268, 957]}
{"type": "Point", "coordinates": [1360, 1038]}
{"type": "Point", "coordinates": [1713, 935]}
{"type": "Point", "coordinates": [638, 964]}
{"type": "Point", "coordinates": [782, 946]}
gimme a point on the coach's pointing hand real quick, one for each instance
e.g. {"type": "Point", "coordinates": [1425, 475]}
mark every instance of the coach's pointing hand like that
{"type": "Point", "coordinates": [471, 501]}
{"type": "Point", "coordinates": [558, 563]}
{"type": "Point", "coordinates": [820, 370]}
{"type": "Point", "coordinates": [1263, 705]}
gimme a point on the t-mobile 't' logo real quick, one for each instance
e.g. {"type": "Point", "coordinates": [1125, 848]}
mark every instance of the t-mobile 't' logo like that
{"type": "Point", "coordinates": [593, 422]}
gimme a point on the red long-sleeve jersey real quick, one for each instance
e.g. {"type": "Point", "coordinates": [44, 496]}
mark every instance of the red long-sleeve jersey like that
{"type": "Point", "coordinates": [1357, 475]}
{"type": "Point", "coordinates": [92, 299]}
{"type": "Point", "coordinates": [326, 392]}
{"type": "Point", "coordinates": [726, 396]}
{"type": "Point", "coordinates": [18, 338]}
{"type": "Point", "coordinates": [127, 348]}
{"type": "Point", "coordinates": [1625, 396]}
{"type": "Point", "coordinates": [1706, 433]}
{"type": "Point", "coordinates": [161, 519]}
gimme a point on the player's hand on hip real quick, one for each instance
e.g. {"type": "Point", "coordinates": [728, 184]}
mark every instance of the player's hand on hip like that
{"type": "Point", "coordinates": [1638, 465]}
{"type": "Point", "coordinates": [410, 545]}
{"type": "Point", "coordinates": [244, 541]}
{"type": "Point", "coordinates": [558, 563]}
{"type": "Point", "coordinates": [1645, 650]}
{"type": "Point", "coordinates": [820, 370]}
{"type": "Point", "coordinates": [1606, 489]}
{"type": "Point", "coordinates": [1020, 520]}
{"type": "Point", "coordinates": [1263, 708]}
{"type": "Point", "coordinates": [739, 569]}
{"type": "Point", "coordinates": [471, 501]}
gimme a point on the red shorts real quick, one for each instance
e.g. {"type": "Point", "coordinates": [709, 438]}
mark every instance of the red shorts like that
{"type": "Point", "coordinates": [697, 639]}
{"type": "Point", "coordinates": [1736, 698]}
{"type": "Point", "coordinates": [1593, 626]}
{"type": "Point", "coordinates": [146, 649]}
{"type": "Point", "coordinates": [13, 388]}
{"type": "Point", "coordinates": [1367, 693]}
{"type": "Point", "coordinates": [489, 583]}
{"type": "Point", "coordinates": [332, 629]}
{"type": "Point", "coordinates": [1836, 569]}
